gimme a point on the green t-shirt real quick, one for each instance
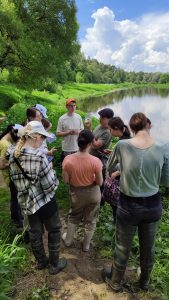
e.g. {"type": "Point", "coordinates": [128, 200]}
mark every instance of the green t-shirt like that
{"type": "Point", "coordinates": [104, 135]}
{"type": "Point", "coordinates": [142, 170]}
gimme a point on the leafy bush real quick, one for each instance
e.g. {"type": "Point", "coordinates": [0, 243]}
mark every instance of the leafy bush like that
{"type": "Point", "coordinates": [6, 101]}
{"type": "Point", "coordinates": [4, 76]}
{"type": "Point", "coordinates": [50, 86]}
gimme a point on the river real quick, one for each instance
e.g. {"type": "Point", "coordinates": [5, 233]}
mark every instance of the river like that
{"type": "Point", "coordinates": [154, 102]}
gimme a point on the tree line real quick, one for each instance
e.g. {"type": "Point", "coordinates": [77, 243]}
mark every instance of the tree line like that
{"type": "Point", "coordinates": [39, 47]}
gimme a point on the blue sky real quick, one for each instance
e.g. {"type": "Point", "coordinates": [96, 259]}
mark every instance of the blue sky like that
{"type": "Point", "coordinates": [131, 34]}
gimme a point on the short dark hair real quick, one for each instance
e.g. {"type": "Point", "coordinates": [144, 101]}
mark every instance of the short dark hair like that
{"type": "Point", "coordinates": [138, 122]}
{"type": "Point", "coordinates": [106, 113]}
{"type": "Point", "coordinates": [84, 139]}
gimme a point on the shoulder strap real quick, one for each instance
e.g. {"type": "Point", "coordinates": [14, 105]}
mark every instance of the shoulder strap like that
{"type": "Point", "coordinates": [20, 167]}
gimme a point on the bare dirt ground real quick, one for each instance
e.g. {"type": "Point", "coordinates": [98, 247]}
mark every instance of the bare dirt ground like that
{"type": "Point", "coordinates": [80, 280]}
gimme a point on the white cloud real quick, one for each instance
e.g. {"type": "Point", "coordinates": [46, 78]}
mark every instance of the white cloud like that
{"type": "Point", "coordinates": [141, 45]}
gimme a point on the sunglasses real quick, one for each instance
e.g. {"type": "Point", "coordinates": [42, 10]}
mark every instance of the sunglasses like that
{"type": "Point", "coordinates": [71, 105]}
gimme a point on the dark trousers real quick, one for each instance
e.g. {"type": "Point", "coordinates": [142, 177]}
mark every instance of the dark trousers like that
{"type": "Point", "coordinates": [124, 237]}
{"type": "Point", "coordinates": [53, 226]}
{"type": "Point", "coordinates": [16, 215]}
{"type": "Point", "coordinates": [136, 213]}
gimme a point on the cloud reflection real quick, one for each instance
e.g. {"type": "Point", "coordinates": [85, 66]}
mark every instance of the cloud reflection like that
{"type": "Point", "coordinates": [155, 107]}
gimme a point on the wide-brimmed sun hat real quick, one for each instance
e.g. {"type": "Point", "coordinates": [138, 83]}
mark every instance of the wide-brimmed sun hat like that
{"type": "Point", "coordinates": [34, 127]}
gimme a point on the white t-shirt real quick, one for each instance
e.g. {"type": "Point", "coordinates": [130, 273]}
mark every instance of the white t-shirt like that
{"type": "Point", "coordinates": [67, 122]}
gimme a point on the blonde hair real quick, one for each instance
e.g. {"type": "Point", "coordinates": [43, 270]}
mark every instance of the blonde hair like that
{"type": "Point", "coordinates": [24, 134]}
{"type": "Point", "coordinates": [19, 146]}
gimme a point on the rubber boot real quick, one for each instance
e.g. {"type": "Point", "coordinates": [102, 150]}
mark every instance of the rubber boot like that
{"type": "Point", "coordinates": [147, 233]}
{"type": "Point", "coordinates": [67, 237]}
{"type": "Point", "coordinates": [144, 280]}
{"type": "Point", "coordinates": [39, 253]}
{"type": "Point", "coordinates": [87, 239]}
{"type": "Point", "coordinates": [56, 264]}
{"type": "Point", "coordinates": [114, 278]}
{"type": "Point", "coordinates": [106, 273]}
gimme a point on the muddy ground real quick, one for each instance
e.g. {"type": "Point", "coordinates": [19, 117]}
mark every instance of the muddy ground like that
{"type": "Point", "coordinates": [80, 280]}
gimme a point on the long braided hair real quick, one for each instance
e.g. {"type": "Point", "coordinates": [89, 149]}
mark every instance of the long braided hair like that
{"type": "Point", "coordinates": [24, 134]}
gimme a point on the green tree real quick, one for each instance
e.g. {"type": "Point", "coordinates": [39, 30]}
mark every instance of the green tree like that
{"type": "Point", "coordinates": [36, 37]}
{"type": "Point", "coordinates": [164, 78]}
{"type": "Point", "coordinates": [79, 77]}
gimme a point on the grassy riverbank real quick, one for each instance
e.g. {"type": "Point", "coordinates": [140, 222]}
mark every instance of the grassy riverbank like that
{"type": "Point", "coordinates": [10, 94]}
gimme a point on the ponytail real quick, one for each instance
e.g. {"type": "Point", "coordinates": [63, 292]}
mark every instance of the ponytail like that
{"type": "Point", "coordinates": [19, 146]}
{"type": "Point", "coordinates": [126, 132]}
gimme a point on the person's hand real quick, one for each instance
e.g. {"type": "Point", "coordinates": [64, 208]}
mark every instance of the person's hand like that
{"type": "Point", "coordinates": [52, 151]}
{"type": "Point", "coordinates": [115, 174]}
{"type": "Point", "coordinates": [107, 151]}
{"type": "Point", "coordinates": [74, 132]}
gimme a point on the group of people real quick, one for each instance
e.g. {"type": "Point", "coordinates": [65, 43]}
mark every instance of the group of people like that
{"type": "Point", "coordinates": [127, 176]}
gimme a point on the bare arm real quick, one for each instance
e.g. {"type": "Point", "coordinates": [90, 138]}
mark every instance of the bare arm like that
{"type": "Point", "coordinates": [63, 133]}
{"type": "Point", "coordinates": [99, 179]}
{"type": "Point", "coordinates": [65, 176]}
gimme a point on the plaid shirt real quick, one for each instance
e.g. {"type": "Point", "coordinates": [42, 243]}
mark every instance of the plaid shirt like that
{"type": "Point", "coordinates": [33, 194]}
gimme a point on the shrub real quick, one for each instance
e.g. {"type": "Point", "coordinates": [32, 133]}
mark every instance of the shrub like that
{"type": "Point", "coordinates": [4, 76]}
{"type": "Point", "coordinates": [6, 101]}
{"type": "Point", "coordinates": [50, 86]}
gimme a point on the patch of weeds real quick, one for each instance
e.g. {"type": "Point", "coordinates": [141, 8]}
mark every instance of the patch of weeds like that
{"type": "Point", "coordinates": [42, 293]}
{"type": "Point", "coordinates": [13, 256]}
{"type": "Point", "coordinates": [105, 231]}
{"type": "Point", "coordinates": [12, 261]}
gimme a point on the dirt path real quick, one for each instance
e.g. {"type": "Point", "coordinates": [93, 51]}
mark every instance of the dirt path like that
{"type": "Point", "coordinates": [80, 280]}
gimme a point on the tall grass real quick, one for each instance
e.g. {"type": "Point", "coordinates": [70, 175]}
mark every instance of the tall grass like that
{"type": "Point", "coordinates": [12, 258]}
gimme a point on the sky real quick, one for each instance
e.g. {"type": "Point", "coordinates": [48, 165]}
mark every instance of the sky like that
{"type": "Point", "coordinates": [130, 34]}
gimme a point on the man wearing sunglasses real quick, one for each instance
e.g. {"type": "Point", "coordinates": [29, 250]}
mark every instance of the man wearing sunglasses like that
{"type": "Point", "coordinates": [69, 126]}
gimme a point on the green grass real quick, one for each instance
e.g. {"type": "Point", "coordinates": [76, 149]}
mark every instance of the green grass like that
{"type": "Point", "coordinates": [10, 94]}
{"type": "Point", "coordinates": [13, 256]}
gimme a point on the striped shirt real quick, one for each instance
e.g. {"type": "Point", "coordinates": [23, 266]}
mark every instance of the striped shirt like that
{"type": "Point", "coordinates": [33, 194]}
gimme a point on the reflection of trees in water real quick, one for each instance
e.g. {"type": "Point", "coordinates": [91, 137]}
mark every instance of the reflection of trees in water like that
{"type": "Point", "coordinates": [94, 103]}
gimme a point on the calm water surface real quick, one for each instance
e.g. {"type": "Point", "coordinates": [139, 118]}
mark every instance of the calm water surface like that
{"type": "Point", "coordinates": [151, 101]}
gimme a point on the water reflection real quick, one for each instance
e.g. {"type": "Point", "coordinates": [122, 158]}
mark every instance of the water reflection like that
{"type": "Point", "coordinates": [151, 101]}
